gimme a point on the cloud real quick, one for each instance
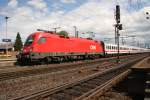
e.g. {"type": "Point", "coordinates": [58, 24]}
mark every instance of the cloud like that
{"type": "Point", "coordinates": [95, 15]}
{"type": "Point", "coordinates": [91, 16]}
{"type": "Point", "coordinates": [57, 6]}
{"type": "Point", "coordinates": [68, 1]}
{"type": "Point", "coordinates": [13, 3]}
{"type": "Point", "coordinates": [38, 4]}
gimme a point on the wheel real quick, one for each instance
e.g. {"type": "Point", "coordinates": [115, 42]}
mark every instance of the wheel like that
{"type": "Point", "coordinates": [48, 59]}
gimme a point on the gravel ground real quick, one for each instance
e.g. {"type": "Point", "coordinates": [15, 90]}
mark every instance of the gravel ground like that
{"type": "Point", "coordinates": [25, 85]}
{"type": "Point", "coordinates": [114, 95]}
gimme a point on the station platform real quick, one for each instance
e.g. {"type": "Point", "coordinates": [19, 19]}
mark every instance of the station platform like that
{"type": "Point", "coordinates": [143, 68]}
{"type": "Point", "coordinates": [142, 65]}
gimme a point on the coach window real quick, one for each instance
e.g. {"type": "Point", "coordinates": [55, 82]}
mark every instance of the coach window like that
{"type": "Point", "coordinates": [42, 40]}
{"type": "Point", "coordinates": [107, 47]}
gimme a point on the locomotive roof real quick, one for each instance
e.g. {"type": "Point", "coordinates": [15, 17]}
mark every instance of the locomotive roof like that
{"type": "Point", "coordinates": [54, 35]}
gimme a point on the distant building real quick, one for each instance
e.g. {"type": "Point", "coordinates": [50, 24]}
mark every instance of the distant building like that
{"type": "Point", "coordinates": [8, 46]}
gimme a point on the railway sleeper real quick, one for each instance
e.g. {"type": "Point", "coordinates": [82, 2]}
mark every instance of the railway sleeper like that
{"type": "Point", "coordinates": [65, 95]}
{"type": "Point", "coordinates": [93, 83]}
{"type": "Point", "coordinates": [84, 89]}
{"type": "Point", "coordinates": [73, 92]}
{"type": "Point", "coordinates": [77, 88]}
{"type": "Point", "coordinates": [91, 86]}
{"type": "Point", "coordinates": [58, 96]}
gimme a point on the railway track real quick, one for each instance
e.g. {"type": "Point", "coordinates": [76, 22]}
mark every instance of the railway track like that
{"type": "Point", "coordinates": [7, 63]}
{"type": "Point", "coordinates": [86, 88]}
{"type": "Point", "coordinates": [3, 60]}
{"type": "Point", "coordinates": [24, 72]}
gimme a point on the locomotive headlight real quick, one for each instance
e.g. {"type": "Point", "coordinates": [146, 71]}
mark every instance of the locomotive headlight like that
{"type": "Point", "coordinates": [25, 50]}
{"type": "Point", "coordinates": [31, 49]}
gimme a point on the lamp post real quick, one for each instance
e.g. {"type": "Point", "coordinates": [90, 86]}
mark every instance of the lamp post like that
{"type": "Point", "coordinates": [6, 18]}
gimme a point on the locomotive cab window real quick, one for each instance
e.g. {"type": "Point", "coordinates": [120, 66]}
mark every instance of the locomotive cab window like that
{"type": "Point", "coordinates": [29, 40]}
{"type": "Point", "coordinates": [42, 40]}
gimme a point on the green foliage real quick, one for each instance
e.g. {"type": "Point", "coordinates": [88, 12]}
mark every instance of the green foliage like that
{"type": "Point", "coordinates": [18, 43]}
{"type": "Point", "coordinates": [63, 33]}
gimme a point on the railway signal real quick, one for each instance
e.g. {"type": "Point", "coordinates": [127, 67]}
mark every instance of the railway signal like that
{"type": "Point", "coordinates": [147, 15]}
{"type": "Point", "coordinates": [117, 13]}
{"type": "Point", "coordinates": [118, 27]}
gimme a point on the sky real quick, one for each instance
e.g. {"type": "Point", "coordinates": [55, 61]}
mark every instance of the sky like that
{"type": "Point", "coordinates": [26, 16]}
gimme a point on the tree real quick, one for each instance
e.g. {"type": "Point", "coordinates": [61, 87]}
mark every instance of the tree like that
{"type": "Point", "coordinates": [18, 43]}
{"type": "Point", "coordinates": [63, 33]}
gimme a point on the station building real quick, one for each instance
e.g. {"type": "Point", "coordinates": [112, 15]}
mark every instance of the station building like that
{"type": "Point", "coordinates": [6, 47]}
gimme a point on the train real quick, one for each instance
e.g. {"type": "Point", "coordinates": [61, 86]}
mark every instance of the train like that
{"type": "Point", "coordinates": [47, 46]}
{"type": "Point", "coordinates": [112, 49]}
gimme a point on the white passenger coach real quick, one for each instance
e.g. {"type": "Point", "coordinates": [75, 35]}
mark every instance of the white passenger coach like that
{"type": "Point", "coordinates": [113, 49]}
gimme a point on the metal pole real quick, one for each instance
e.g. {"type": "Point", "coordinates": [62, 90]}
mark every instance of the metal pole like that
{"type": "Point", "coordinates": [6, 36]}
{"type": "Point", "coordinates": [118, 27]}
{"type": "Point", "coordinates": [55, 29]}
{"type": "Point", "coordinates": [118, 58]}
{"type": "Point", "coordinates": [75, 31]}
{"type": "Point", "coordinates": [122, 41]}
{"type": "Point", "coordinates": [115, 35]}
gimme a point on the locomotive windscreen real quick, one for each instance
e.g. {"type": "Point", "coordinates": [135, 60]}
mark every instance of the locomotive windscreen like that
{"type": "Point", "coordinates": [29, 40]}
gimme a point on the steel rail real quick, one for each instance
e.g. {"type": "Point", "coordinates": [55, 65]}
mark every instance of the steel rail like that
{"type": "Point", "coordinates": [3, 60]}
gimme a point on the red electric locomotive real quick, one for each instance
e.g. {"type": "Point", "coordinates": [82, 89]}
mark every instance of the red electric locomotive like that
{"type": "Point", "coordinates": [48, 46]}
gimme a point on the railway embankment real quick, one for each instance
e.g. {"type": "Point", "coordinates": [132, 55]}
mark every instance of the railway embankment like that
{"type": "Point", "coordinates": [136, 86]}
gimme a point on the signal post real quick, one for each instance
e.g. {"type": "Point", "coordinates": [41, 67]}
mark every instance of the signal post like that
{"type": "Point", "coordinates": [118, 27]}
